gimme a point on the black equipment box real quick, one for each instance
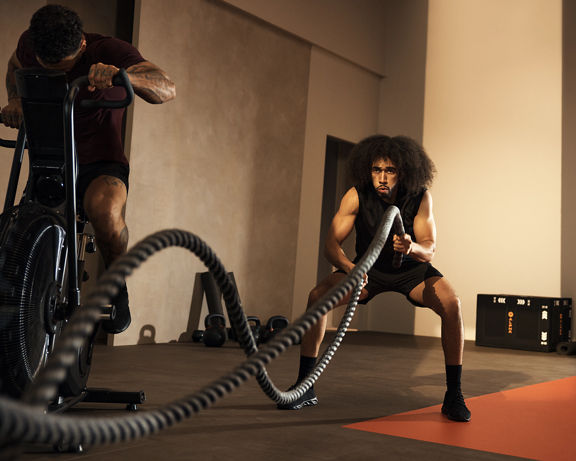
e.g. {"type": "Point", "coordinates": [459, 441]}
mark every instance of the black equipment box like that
{"type": "Point", "coordinates": [523, 322]}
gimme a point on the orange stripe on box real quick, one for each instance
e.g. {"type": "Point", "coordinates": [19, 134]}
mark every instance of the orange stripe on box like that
{"type": "Point", "coordinates": [537, 422]}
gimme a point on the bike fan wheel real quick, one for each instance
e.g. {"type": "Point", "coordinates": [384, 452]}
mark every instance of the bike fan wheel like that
{"type": "Point", "coordinates": [32, 271]}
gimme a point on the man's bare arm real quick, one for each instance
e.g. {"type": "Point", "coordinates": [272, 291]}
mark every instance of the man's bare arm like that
{"type": "Point", "coordinates": [425, 231]}
{"type": "Point", "coordinates": [12, 113]}
{"type": "Point", "coordinates": [151, 83]}
{"type": "Point", "coordinates": [340, 229]}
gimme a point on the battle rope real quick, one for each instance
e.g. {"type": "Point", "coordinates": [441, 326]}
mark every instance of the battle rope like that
{"type": "Point", "coordinates": [28, 422]}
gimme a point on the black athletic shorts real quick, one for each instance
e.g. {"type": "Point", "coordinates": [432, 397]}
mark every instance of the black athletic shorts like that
{"type": "Point", "coordinates": [403, 281]}
{"type": "Point", "coordinates": [90, 171]}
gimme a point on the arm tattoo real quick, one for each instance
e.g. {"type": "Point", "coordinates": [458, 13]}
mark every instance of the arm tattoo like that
{"type": "Point", "coordinates": [151, 83]}
{"type": "Point", "coordinates": [104, 73]}
{"type": "Point", "coordinates": [112, 181]}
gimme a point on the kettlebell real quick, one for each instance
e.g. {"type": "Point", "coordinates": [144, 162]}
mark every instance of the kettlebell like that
{"type": "Point", "coordinates": [275, 324]}
{"type": "Point", "coordinates": [255, 326]}
{"type": "Point", "coordinates": [197, 336]}
{"type": "Point", "coordinates": [215, 333]}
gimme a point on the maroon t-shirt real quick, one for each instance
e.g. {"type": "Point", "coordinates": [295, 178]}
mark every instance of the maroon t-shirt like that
{"type": "Point", "coordinates": [98, 132]}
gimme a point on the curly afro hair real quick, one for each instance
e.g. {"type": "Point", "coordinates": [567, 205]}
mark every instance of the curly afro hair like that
{"type": "Point", "coordinates": [56, 33]}
{"type": "Point", "coordinates": [415, 169]}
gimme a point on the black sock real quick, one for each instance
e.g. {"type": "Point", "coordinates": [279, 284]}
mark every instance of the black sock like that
{"type": "Point", "coordinates": [453, 376]}
{"type": "Point", "coordinates": [306, 366]}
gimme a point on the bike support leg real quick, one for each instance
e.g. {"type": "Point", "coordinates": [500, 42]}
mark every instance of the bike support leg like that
{"type": "Point", "coordinates": [15, 171]}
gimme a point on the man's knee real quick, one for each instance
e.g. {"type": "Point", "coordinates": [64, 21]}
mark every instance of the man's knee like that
{"type": "Point", "coordinates": [315, 294]}
{"type": "Point", "coordinates": [326, 285]}
{"type": "Point", "coordinates": [104, 202]}
{"type": "Point", "coordinates": [106, 220]}
{"type": "Point", "coordinates": [323, 287]}
{"type": "Point", "coordinates": [104, 211]}
{"type": "Point", "coordinates": [449, 308]}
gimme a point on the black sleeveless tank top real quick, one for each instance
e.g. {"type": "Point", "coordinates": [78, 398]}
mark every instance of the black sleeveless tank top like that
{"type": "Point", "coordinates": [370, 212]}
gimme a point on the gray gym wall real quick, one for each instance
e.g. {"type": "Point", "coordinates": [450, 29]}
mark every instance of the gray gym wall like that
{"type": "Point", "coordinates": [223, 160]}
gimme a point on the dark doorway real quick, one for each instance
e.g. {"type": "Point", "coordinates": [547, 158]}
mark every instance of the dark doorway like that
{"type": "Point", "coordinates": [336, 183]}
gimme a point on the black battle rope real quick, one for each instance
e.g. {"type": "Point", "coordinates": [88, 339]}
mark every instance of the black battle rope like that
{"type": "Point", "coordinates": [29, 422]}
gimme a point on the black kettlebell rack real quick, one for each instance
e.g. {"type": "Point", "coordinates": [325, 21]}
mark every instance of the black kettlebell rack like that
{"type": "Point", "coordinates": [216, 333]}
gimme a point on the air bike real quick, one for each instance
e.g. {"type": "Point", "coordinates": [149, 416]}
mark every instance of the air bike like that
{"type": "Point", "coordinates": [43, 242]}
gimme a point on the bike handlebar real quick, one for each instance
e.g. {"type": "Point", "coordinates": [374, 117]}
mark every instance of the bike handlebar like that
{"type": "Point", "coordinates": [120, 79]}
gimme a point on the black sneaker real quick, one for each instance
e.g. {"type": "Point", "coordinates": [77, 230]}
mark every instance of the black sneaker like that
{"type": "Point", "coordinates": [309, 399]}
{"type": "Point", "coordinates": [122, 319]}
{"type": "Point", "coordinates": [454, 407]}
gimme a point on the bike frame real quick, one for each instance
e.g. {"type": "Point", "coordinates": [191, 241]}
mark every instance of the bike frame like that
{"type": "Point", "coordinates": [70, 172]}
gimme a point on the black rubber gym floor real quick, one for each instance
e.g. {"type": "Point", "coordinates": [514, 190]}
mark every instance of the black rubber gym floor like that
{"type": "Point", "coordinates": [372, 375]}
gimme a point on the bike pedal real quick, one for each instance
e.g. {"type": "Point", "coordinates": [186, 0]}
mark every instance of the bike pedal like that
{"type": "Point", "coordinates": [108, 312]}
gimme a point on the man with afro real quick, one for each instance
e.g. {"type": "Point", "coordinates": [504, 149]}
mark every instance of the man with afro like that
{"type": "Point", "coordinates": [391, 171]}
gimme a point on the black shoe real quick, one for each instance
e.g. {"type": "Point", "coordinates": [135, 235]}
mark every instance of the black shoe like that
{"type": "Point", "coordinates": [454, 407]}
{"type": "Point", "coordinates": [122, 319]}
{"type": "Point", "coordinates": [309, 399]}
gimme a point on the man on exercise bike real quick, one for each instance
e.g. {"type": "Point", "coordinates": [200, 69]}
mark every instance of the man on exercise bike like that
{"type": "Point", "coordinates": [391, 171]}
{"type": "Point", "coordinates": [56, 41]}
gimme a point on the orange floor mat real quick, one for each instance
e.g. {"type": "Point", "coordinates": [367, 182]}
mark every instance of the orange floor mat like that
{"type": "Point", "coordinates": [535, 422]}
